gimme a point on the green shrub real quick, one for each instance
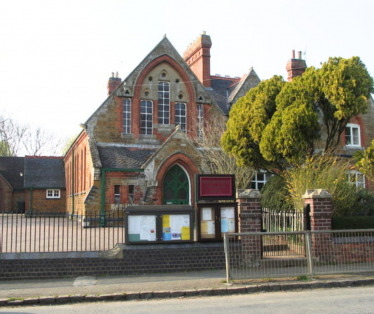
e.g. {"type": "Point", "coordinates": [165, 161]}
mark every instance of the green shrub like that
{"type": "Point", "coordinates": [322, 172]}
{"type": "Point", "coordinates": [275, 195]}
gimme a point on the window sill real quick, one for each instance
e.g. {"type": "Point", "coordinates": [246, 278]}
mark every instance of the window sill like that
{"type": "Point", "coordinates": [127, 135]}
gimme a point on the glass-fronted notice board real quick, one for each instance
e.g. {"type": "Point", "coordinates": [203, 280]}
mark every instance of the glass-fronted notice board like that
{"type": "Point", "coordinates": [158, 224]}
{"type": "Point", "coordinates": [227, 219]}
{"type": "Point", "coordinates": [142, 228]}
{"type": "Point", "coordinates": [216, 219]}
{"type": "Point", "coordinates": [176, 227]}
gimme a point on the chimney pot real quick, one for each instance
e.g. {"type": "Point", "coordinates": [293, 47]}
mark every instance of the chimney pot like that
{"type": "Point", "coordinates": [116, 74]}
{"type": "Point", "coordinates": [293, 54]}
{"type": "Point", "coordinates": [204, 32]}
{"type": "Point", "coordinates": [112, 74]}
{"type": "Point", "coordinates": [300, 58]}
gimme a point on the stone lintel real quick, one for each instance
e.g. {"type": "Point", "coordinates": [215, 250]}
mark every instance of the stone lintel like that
{"type": "Point", "coordinates": [317, 193]}
{"type": "Point", "coordinates": [249, 193]}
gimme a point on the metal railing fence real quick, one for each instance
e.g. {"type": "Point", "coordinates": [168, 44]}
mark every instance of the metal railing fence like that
{"type": "Point", "coordinates": [316, 253]}
{"type": "Point", "coordinates": [281, 221]}
{"type": "Point", "coordinates": [51, 232]}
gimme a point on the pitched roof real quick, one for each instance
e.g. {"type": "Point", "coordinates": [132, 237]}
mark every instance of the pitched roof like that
{"type": "Point", "coordinates": [44, 172]}
{"type": "Point", "coordinates": [10, 169]}
{"type": "Point", "coordinates": [220, 93]}
{"type": "Point", "coordinates": [122, 157]}
{"type": "Point", "coordinates": [248, 81]}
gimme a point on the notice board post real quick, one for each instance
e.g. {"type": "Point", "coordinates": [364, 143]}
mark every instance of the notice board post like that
{"type": "Point", "coordinates": [217, 211]}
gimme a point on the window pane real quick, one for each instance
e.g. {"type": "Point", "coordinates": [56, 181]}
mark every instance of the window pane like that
{"type": "Point", "coordinates": [180, 115]}
{"type": "Point", "coordinates": [355, 138]}
{"type": "Point", "coordinates": [163, 103]}
{"type": "Point", "coordinates": [126, 116]}
{"type": "Point", "coordinates": [146, 117]}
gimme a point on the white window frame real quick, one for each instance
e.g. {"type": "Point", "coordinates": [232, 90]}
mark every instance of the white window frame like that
{"type": "Point", "coordinates": [146, 117]}
{"type": "Point", "coordinates": [163, 102]}
{"type": "Point", "coordinates": [256, 181]}
{"type": "Point", "coordinates": [356, 178]}
{"type": "Point", "coordinates": [126, 116]}
{"type": "Point", "coordinates": [179, 116]}
{"type": "Point", "coordinates": [351, 139]}
{"type": "Point", "coordinates": [54, 193]}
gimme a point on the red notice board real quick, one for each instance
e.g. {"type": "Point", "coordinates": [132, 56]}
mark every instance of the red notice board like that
{"type": "Point", "coordinates": [215, 187]}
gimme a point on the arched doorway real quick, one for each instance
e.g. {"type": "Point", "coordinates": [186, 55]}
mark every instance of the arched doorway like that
{"type": "Point", "coordinates": [176, 186]}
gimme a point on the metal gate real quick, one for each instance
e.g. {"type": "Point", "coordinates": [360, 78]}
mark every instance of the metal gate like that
{"type": "Point", "coordinates": [282, 245]}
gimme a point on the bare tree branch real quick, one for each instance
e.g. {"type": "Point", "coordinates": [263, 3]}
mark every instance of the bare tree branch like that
{"type": "Point", "coordinates": [216, 159]}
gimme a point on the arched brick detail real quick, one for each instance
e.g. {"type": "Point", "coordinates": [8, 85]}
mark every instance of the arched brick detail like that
{"type": "Point", "coordinates": [136, 99]}
{"type": "Point", "coordinates": [177, 159]}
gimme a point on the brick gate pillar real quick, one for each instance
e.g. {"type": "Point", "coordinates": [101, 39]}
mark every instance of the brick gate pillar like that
{"type": "Point", "coordinates": [250, 221]}
{"type": "Point", "coordinates": [320, 202]}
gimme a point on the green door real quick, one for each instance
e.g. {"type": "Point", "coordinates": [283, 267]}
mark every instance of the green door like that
{"type": "Point", "coordinates": [176, 186]}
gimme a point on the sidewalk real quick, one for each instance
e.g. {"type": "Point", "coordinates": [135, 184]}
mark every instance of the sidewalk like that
{"type": "Point", "coordinates": [185, 284]}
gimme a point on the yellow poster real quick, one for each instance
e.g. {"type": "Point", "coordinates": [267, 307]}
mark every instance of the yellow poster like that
{"type": "Point", "coordinates": [165, 221]}
{"type": "Point", "coordinates": [185, 233]}
{"type": "Point", "coordinates": [204, 227]}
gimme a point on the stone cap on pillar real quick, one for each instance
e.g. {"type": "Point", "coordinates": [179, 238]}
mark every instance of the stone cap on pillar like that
{"type": "Point", "coordinates": [249, 193]}
{"type": "Point", "coordinates": [317, 193]}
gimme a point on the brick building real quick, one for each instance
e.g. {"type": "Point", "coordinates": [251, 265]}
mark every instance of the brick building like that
{"type": "Point", "coordinates": [12, 193]}
{"type": "Point", "coordinates": [138, 146]}
{"type": "Point", "coordinates": [35, 184]}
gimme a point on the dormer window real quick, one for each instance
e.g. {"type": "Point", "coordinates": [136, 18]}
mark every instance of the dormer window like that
{"type": "Point", "coordinates": [352, 135]}
{"type": "Point", "coordinates": [163, 102]}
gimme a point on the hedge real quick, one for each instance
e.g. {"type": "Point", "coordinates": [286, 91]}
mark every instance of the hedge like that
{"type": "Point", "coordinates": [352, 222]}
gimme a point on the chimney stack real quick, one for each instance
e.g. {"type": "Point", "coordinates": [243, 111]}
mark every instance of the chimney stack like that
{"type": "Point", "coordinates": [197, 56]}
{"type": "Point", "coordinates": [113, 83]}
{"type": "Point", "coordinates": [295, 67]}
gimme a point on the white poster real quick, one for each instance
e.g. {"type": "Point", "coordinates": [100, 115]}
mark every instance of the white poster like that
{"type": "Point", "coordinates": [177, 222]}
{"type": "Point", "coordinates": [211, 227]}
{"type": "Point", "coordinates": [134, 224]}
{"type": "Point", "coordinates": [148, 228]}
{"type": "Point", "coordinates": [227, 212]}
{"type": "Point", "coordinates": [207, 214]}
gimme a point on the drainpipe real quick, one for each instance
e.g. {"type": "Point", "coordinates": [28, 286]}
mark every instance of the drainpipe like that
{"type": "Point", "coordinates": [30, 209]}
{"type": "Point", "coordinates": [102, 212]}
{"type": "Point", "coordinates": [73, 184]}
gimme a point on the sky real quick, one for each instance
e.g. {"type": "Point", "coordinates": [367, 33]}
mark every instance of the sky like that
{"type": "Point", "coordinates": [56, 56]}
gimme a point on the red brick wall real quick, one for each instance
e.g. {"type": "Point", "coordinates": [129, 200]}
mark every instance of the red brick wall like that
{"type": "Point", "coordinates": [18, 197]}
{"type": "Point", "coordinates": [40, 202]}
{"type": "Point", "coordinates": [83, 174]}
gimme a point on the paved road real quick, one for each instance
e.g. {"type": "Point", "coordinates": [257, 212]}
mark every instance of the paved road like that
{"type": "Point", "coordinates": [332, 301]}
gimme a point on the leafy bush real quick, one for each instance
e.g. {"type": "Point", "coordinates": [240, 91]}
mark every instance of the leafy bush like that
{"type": "Point", "coordinates": [275, 195]}
{"type": "Point", "coordinates": [322, 172]}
